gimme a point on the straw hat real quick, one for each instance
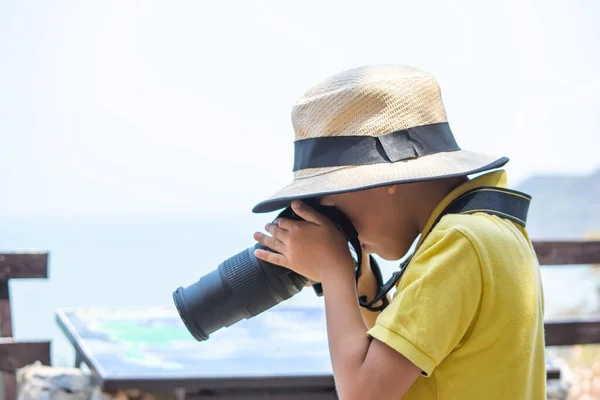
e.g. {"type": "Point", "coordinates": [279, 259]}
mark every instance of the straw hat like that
{"type": "Point", "coordinates": [373, 126]}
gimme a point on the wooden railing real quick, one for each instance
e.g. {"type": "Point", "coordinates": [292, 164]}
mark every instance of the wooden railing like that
{"type": "Point", "coordinates": [14, 354]}
{"type": "Point", "coordinates": [570, 331]}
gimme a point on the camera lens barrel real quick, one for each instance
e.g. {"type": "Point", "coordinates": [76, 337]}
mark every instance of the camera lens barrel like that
{"type": "Point", "coordinates": [242, 286]}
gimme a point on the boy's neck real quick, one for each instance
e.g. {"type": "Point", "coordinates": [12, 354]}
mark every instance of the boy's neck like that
{"type": "Point", "coordinates": [427, 195]}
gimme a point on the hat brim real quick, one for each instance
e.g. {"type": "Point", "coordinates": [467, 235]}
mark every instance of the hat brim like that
{"type": "Point", "coordinates": [361, 177]}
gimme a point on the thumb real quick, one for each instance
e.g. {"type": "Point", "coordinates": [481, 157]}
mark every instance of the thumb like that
{"type": "Point", "coordinates": [307, 213]}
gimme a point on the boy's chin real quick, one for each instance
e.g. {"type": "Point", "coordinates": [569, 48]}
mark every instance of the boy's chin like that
{"type": "Point", "coordinates": [389, 257]}
{"type": "Point", "coordinates": [392, 254]}
{"type": "Point", "coordinates": [386, 255]}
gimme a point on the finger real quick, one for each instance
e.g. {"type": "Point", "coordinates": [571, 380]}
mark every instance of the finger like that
{"type": "Point", "coordinates": [307, 213]}
{"type": "Point", "coordinates": [277, 232]}
{"type": "Point", "coordinates": [273, 258]}
{"type": "Point", "coordinates": [270, 242]}
{"type": "Point", "coordinates": [285, 223]}
{"type": "Point", "coordinates": [279, 221]}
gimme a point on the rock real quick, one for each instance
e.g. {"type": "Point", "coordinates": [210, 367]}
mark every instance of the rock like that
{"type": "Point", "coordinates": [41, 382]}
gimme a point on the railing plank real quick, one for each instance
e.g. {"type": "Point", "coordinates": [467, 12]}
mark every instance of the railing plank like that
{"type": "Point", "coordinates": [567, 252]}
{"type": "Point", "coordinates": [23, 265]}
{"type": "Point", "coordinates": [14, 355]}
{"type": "Point", "coordinates": [572, 331]}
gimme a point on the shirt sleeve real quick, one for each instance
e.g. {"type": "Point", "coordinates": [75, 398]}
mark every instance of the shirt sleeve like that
{"type": "Point", "coordinates": [436, 301]}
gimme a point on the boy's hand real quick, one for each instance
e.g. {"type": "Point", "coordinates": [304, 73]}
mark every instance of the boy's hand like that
{"type": "Point", "coordinates": [307, 247]}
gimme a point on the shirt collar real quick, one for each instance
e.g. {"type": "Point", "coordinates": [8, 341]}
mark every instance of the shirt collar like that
{"type": "Point", "coordinates": [494, 178]}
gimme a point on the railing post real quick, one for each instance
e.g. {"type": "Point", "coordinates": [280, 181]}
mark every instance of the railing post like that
{"type": "Point", "coordinates": [16, 355]}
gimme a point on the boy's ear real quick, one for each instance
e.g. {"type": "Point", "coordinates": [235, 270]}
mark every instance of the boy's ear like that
{"type": "Point", "coordinates": [391, 189]}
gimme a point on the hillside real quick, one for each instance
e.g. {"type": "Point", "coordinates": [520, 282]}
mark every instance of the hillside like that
{"type": "Point", "coordinates": [563, 207]}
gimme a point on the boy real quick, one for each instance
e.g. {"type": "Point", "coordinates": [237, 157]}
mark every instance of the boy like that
{"type": "Point", "coordinates": [466, 320]}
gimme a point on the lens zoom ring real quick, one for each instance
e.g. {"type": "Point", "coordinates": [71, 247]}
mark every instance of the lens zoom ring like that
{"type": "Point", "coordinates": [247, 285]}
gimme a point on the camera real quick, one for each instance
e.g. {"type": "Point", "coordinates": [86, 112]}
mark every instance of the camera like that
{"type": "Point", "coordinates": [244, 286]}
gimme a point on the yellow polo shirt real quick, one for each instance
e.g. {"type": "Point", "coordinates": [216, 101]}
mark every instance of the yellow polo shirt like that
{"type": "Point", "coordinates": [469, 309]}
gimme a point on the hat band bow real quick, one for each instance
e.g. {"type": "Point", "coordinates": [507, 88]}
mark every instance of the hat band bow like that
{"type": "Point", "coordinates": [336, 151]}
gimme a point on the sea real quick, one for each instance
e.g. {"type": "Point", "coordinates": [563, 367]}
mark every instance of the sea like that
{"type": "Point", "coordinates": [107, 261]}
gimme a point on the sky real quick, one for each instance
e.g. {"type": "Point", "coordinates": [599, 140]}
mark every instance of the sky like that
{"type": "Point", "coordinates": [183, 107]}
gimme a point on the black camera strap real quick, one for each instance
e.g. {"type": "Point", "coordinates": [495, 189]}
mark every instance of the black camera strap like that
{"type": "Point", "coordinates": [504, 203]}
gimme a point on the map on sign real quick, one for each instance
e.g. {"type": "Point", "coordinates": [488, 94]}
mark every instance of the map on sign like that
{"type": "Point", "coordinates": [154, 342]}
